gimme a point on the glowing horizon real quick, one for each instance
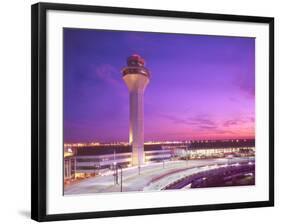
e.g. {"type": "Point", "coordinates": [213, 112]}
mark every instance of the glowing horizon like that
{"type": "Point", "coordinates": [95, 143]}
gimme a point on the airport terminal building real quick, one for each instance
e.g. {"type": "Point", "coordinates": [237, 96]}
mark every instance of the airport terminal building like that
{"type": "Point", "coordinates": [216, 149]}
{"type": "Point", "coordinates": [88, 160]}
{"type": "Point", "coordinates": [92, 160]}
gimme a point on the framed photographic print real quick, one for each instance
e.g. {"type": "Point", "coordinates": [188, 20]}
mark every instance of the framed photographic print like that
{"type": "Point", "coordinates": [139, 111]}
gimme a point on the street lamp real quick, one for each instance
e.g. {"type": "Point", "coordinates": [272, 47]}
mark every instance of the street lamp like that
{"type": "Point", "coordinates": [115, 173]}
{"type": "Point", "coordinates": [163, 159]}
{"type": "Point", "coordinates": [139, 167]}
{"type": "Point", "coordinates": [186, 156]}
{"type": "Point", "coordinates": [121, 179]}
{"type": "Point", "coordinates": [121, 176]}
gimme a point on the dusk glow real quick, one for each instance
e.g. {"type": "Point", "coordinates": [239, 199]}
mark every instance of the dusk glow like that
{"type": "Point", "coordinates": [201, 87]}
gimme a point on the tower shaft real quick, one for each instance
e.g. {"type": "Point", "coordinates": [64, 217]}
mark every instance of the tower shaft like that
{"type": "Point", "coordinates": [136, 127]}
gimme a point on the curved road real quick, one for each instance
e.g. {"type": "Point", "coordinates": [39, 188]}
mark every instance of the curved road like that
{"type": "Point", "coordinates": [154, 176]}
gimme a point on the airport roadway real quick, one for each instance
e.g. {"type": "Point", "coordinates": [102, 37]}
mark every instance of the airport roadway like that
{"type": "Point", "coordinates": [152, 177]}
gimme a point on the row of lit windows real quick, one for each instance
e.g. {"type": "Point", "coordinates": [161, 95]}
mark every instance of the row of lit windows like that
{"type": "Point", "coordinates": [103, 159]}
{"type": "Point", "coordinates": [100, 167]}
{"type": "Point", "coordinates": [156, 153]}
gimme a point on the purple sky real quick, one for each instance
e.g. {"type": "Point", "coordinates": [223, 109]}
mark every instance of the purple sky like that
{"type": "Point", "coordinates": [201, 87]}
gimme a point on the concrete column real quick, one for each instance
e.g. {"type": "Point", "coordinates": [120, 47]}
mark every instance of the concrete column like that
{"type": "Point", "coordinates": [66, 168]}
{"type": "Point", "coordinates": [75, 163]}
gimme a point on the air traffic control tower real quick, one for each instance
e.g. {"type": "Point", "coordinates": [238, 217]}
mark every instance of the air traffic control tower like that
{"type": "Point", "coordinates": [136, 77]}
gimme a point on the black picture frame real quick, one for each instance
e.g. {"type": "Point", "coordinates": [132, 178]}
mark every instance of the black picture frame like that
{"type": "Point", "coordinates": [38, 110]}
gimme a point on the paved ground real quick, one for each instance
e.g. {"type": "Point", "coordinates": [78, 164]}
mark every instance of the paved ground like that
{"type": "Point", "coordinates": [152, 177]}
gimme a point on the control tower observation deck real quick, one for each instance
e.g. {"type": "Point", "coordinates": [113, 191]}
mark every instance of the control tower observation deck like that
{"type": "Point", "coordinates": [136, 76]}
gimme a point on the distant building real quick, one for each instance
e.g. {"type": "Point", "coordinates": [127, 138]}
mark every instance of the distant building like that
{"type": "Point", "coordinates": [207, 149]}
